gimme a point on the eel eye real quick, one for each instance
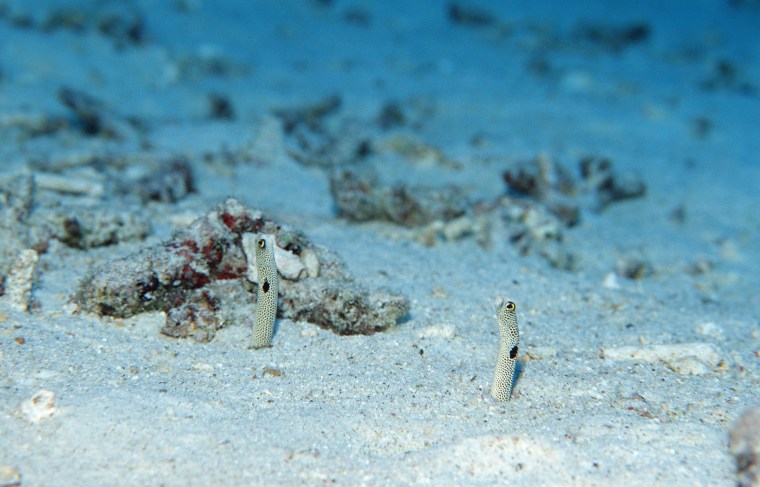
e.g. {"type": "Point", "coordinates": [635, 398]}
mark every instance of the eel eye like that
{"type": "Point", "coordinates": [510, 306]}
{"type": "Point", "coordinates": [513, 352]}
{"type": "Point", "coordinates": [262, 243]}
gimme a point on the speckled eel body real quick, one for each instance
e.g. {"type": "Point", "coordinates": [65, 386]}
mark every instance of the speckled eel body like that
{"type": "Point", "coordinates": [268, 289]}
{"type": "Point", "coordinates": [509, 341]}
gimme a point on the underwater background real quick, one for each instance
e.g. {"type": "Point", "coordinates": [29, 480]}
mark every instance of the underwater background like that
{"type": "Point", "coordinates": [596, 162]}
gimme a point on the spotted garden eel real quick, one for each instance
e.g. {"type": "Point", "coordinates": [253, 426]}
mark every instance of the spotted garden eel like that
{"type": "Point", "coordinates": [509, 339]}
{"type": "Point", "coordinates": [269, 287]}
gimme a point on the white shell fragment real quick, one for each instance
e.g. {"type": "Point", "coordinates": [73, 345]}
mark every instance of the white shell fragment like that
{"type": "Point", "coordinates": [311, 261]}
{"type": "Point", "coordinates": [289, 265]}
{"type": "Point", "coordinates": [438, 331]}
{"type": "Point", "coordinates": [9, 476]}
{"type": "Point", "coordinates": [69, 185]}
{"type": "Point", "coordinates": [611, 281]}
{"type": "Point", "coordinates": [40, 406]}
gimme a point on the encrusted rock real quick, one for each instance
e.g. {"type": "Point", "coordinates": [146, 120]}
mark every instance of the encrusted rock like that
{"type": "Point", "coordinates": [196, 317]}
{"type": "Point", "coordinates": [201, 272]}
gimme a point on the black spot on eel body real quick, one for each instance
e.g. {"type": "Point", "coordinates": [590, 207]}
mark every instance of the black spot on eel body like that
{"type": "Point", "coordinates": [513, 353]}
{"type": "Point", "coordinates": [265, 286]}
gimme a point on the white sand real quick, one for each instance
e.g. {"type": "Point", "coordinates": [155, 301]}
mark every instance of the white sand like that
{"type": "Point", "coordinates": [133, 407]}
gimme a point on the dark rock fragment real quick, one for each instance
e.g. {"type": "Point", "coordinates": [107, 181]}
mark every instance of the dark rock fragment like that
{"type": "Point", "coordinates": [607, 186]}
{"type": "Point", "coordinates": [547, 182]}
{"type": "Point", "coordinates": [309, 116]}
{"type": "Point", "coordinates": [85, 228]}
{"type": "Point", "coordinates": [220, 107]}
{"type": "Point", "coordinates": [196, 318]}
{"type": "Point", "coordinates": [550, 184]}
{"type": "Point", "coordinates": [612, 38]}
{"type": "Point", "coordinates": [359, 197]}
{"type": "Point", "coordinates": [634, 267]}
{"type": "Point", "coordinates": [92, 117]}
{"type": "Point", "coordinates": [169, 183]}
{"type": "Point", "coordinates": [470, 15]}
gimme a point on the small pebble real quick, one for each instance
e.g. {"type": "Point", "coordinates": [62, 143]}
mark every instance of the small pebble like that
{"type": "Point", "coordinates": [9, 476]}
{"type": "Point", "coordinates": [610, 281]}
{"type": "Point", "coordinates": [40, 406]}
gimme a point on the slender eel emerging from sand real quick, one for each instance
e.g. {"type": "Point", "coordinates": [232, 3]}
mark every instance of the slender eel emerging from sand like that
{"type": "Point", "coordinates": [269, 286]}
{"type": "Point", "coordinates": [509, 339]}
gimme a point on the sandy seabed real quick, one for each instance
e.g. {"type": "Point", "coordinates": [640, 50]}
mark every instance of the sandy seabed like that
{"type": "Point", "coordinates": [636, 358]}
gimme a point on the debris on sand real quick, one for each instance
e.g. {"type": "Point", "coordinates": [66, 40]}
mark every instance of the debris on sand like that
{"type": "Point", "coordinates": [38, 407]}
{"type": "Point", "coordinates": [598, 185]}
{"type": "Point", "coordinates": [85, 205]}
{"type": "Point", "coordinates": [359, 197]}
{"type": "Point", "coordinates": [17, 287]}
